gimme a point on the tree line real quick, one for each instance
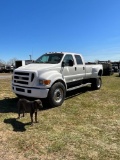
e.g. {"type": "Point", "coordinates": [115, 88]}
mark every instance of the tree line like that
{"type": "Point", "coordinates": [10, 62]}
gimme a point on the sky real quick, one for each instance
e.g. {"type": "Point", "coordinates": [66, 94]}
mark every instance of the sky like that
{"type": "Point", "coordinates": [34, 27]}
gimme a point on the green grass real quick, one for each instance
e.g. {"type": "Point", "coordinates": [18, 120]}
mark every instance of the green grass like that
{"type": "Point", "coordinates": [85, 127]}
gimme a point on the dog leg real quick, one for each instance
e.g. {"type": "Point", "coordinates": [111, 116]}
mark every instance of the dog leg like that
{"type": "Point", "coordinates": [18, 114]}
{"type": "Point", "coordinates": [36, 121]}
{"type": "Point", "coordinates": [23, 113]}
{"type": "Point", "coordinates": [31, 116]}
{"type": "Point", "coordinates": [18, 106]}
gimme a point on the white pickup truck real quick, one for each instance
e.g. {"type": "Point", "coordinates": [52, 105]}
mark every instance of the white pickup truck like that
{"type": "Point", "coordinates": [53, 74]}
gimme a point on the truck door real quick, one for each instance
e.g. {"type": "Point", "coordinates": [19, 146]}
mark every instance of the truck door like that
{"type": "Point", "coordinates": [68, 70]}
{"type": "Point", "coordinates": [80, 67]}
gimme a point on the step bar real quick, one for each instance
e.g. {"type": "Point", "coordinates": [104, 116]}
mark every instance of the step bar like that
{"type": "Point", "coordinates": [80, 86]}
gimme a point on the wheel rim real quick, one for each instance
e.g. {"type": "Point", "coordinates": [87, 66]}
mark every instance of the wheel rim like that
{"type": "Point", "coordinates": [58, 95]}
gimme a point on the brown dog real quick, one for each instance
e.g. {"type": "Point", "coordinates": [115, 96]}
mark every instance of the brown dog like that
{"type": "Point", "coordinates": [32, 107]}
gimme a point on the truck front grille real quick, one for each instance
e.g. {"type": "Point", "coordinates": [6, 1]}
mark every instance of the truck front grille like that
{"type": "Point", "coordinates": [22, 73]}
{"type": "Point", "coordinates": [23, 78]}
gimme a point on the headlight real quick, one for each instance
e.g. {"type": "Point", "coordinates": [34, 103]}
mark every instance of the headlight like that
{"type": "Point", "coordinates": [44, 82]}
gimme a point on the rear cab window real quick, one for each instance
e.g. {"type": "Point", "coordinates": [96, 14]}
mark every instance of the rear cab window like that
{"type": "Point", "coordinates": [78, 59]}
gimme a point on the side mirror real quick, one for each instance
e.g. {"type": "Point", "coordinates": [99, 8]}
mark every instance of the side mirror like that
{"type": "Point", "coordinates": [71, 62]}
{"type": "Point", "coordinates": [63, 63]}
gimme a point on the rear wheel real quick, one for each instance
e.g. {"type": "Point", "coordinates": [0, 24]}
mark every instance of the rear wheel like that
{"type": "Point", "coordinates": [96, 83]}
{"type": "Point", "coordinates": [56, 94]}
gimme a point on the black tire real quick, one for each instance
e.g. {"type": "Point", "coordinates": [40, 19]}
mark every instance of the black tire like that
{"type": "Point", "coordinates": [56, 94]}
{"type": "Point", "coordinates": [96, 83]}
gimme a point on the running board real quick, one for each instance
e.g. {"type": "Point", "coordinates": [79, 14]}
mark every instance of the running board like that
{"type": "Point", "coordinates": [80, 86]}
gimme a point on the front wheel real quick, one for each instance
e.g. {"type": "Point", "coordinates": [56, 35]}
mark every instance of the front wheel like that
{"type": "Point", "coordinates": [57, 94]}
{"type": "Point", "coordinates": [96, 83]}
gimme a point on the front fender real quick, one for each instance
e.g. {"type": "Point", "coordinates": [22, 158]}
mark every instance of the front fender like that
{"type": "Point", "coordinates": [53, 76]}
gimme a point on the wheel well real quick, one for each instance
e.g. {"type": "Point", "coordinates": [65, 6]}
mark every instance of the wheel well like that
{"type": "Point", "coordinates": [100, 73]}
{"type": "Point", "coordinates": [61, 82]}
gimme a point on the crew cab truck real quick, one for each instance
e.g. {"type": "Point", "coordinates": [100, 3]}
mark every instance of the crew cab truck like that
{"type": "Point", "coordinates": [53, 74]}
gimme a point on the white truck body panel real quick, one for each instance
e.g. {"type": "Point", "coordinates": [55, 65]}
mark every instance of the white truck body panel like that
{"type": "Point", "coordinates": [26, 79]}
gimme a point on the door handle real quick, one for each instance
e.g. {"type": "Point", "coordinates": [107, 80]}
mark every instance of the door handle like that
{"type": "Point", "coordinates": [75, 68]}
{"type": "Point", "coordinates": [83, 68]}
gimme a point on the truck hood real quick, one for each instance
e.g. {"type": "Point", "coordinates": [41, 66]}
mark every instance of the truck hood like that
{"type": "Point", "coordinates": [37, 67]}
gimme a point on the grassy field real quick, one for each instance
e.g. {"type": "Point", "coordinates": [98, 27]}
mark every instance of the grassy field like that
{"type": "Point", "coordinates": [85, 127]}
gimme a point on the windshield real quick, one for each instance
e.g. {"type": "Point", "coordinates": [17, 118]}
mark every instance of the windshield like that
{"type": "Point", "coordinates": [53, 58]}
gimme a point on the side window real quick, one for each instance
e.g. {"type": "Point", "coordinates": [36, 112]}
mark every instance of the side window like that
{"type": "Point", "coordinates": [67, 58]}
{"type": "Point", "coordinates": [78, 59]}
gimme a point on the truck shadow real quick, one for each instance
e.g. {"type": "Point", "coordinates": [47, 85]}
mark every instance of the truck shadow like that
{"type": "Point", "coordinates": [8, 105]}
{"type": "Point", "coordinates": [69, 95]}
{"type": "Point", "coordinates": [77, 92]}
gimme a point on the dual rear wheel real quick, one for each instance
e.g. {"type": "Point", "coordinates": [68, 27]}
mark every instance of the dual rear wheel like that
{"type": "Point", "coordinates": [96, 83]}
